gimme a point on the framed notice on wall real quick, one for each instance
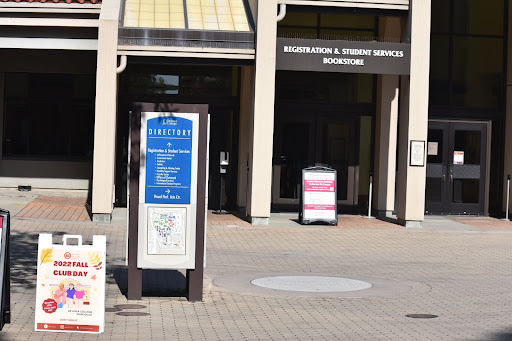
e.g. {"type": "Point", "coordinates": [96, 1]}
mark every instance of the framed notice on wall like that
{"type": "Point", "coordinates": [417, 157]}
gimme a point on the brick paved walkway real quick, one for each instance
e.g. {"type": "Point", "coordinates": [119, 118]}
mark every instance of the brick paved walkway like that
{"type": "Point", "coordinates": [56, 208]}
{"type": "Point", "coordinates": [484, 223]}
{"type": "Point", "coordinates": [466, 273]}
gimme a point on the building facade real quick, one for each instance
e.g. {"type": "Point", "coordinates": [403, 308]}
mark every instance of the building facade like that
{"type": "Point", "coordinates": [412, 94]}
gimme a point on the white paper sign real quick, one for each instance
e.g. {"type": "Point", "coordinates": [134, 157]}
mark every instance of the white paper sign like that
{"type": "Point", "coordinates": [70, 295]}
{"type": "Point", "coordinates": [432, 148]}
{"type": "Point", "coordinates": [458, 158]}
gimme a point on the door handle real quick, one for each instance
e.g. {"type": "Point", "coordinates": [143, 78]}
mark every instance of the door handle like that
{"type": "Point", "coordinates": [444, 178]}
{"type": "Point", "coordinates": [451, 178]}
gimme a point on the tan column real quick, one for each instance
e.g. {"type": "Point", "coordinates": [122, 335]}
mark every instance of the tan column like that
{"type": "Point", "coordinates": [105, 114]}
{"type": "Point", "coordinates": [508, 119]}
{"type": "Point", "coordinates": [262, 124]}
{"type": "Point", "coordinates": [386, 127]}
{"type": "Point", "coordinates": [385, 148]}
{"type": "Point", "coordinates": [245, 138]}
{"type": "Point", "coordinates": [414, 118]}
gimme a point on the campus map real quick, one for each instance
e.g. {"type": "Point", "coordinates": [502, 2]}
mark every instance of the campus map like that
{"type": "Point", "coordinates": [166, 230]}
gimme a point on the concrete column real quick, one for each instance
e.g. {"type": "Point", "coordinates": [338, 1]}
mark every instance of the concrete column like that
{"type": "Point", "coordinates": [262, 123]}
{"type": "Point", "coordinates": [385, 148]}
{"type": "Point", "coordinates": [508, 118]}
{"type": "Point", "coordinates": [414, 117]}
{"type": "Point", "coordinates": [245, 137]}
{"type": "Point", "coordinates": [105, 114]}
{"type": "Point", "coordinates": [386, 127]}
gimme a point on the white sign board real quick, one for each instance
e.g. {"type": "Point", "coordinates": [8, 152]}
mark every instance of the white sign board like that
{"type": "Point", "coordinates": [458, 158]}
{"type": "Point", "coordinates": [417, 153]}
{"type": "Point", "coordinates": [167, 190]}
{"type": "Point", "coordinates": [70, 294]}
{"type": "Point", "coordinates": [319, 195]}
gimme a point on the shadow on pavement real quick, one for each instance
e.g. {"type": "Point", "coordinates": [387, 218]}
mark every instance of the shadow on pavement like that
{"type": "Point", "coordinates": [24, 259]}
{"type": "Point", "coordinates": [502, 336]}
{"type": "Point", "coordinates": [155, 283]}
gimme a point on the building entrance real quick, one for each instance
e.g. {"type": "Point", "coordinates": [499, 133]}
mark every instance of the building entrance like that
{"type": "Point", "coordinates": [324, 139]}
{"type": "Point", "coordinates": [457, 169]}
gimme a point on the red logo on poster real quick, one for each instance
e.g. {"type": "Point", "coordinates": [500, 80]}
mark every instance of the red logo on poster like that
{"type": "Point", "coordinates": [49, 306]}
{"type": "Point", "coordinates": [67, 255]}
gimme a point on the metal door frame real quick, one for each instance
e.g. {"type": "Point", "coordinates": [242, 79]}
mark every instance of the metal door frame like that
{"type": "Point", "coordinates": [449, 127]}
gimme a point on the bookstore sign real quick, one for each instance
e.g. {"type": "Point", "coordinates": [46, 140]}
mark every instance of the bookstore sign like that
{"type": "Point", "coordinates": [343, 56]}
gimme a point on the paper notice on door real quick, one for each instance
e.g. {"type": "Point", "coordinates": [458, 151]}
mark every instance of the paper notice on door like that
{"type": "Point", "coordinates": [458, 158]}
{"type": "Point", "coordinates": [432, 148]}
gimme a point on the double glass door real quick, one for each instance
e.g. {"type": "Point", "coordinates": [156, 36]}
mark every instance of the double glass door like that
{"type": "Point", "coordinates": [456, 168]}
{"type": "Point", "coordinates": [303, 141]}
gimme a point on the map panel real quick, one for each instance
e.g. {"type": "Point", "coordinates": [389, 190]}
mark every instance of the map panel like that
{"type": "Point", "coordinates": [166, 230]}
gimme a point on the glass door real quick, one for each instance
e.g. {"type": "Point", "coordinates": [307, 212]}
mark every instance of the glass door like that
{"type": "Point", "coordinates": [336, 148]}
{"type": "Point", "coordinates": [456, 168]}
{"type": "Point", "coordinates": [303, 141]}
{"type": "Point", "coordinates": [468, 149]}
{"type": "Point", "coordinates": [436, 189]}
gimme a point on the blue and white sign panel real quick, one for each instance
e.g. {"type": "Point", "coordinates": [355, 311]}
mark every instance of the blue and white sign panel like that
{"type": "Point", "coordinates": [168, 160]}
{"type": "Point", "coordinates": [168, 190]}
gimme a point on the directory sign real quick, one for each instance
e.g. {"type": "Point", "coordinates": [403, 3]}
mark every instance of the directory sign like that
{"type": "Point", "coordinates": [70, 294]}
{"type": "Point", "coordinates": [167, 190]}
{"type": "Point", "coordinates": [168, 160]}
{"type": "Point", "coordinates": [319, 195]}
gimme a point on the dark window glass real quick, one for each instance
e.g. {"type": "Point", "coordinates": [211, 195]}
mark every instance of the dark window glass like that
{"type": "Point", "coordinates": [346, 34]}
{"type": "Point", "coordinates": [477, 71]}
{"type": "Point", "coordinates": [327, 26]}
{"type": "Point", "coordinates": [184, 81]}
{"type": "Point", "coordinates": [467, 46]}
{"type": "Point", "coordinates": [440, 16]}
{"type": "Point", "coordinates": [469, 142]}
{"type": "Point", "coordinates": [293, 158]}
{"type": "Point", "coordinates": [478, 17]}
{"type": "Point", "coordinates": [346, 20]}
{"type": "Point", "coordinates": [49, 116]}
{"type": "Point", "coordinates": [324, 87]}
{"type": "Point", "coordinates": [466, 191]}
{"type": "Point", "coordinates": [300, 19]}
{"type": "Point", "coordinates": [433, 190]}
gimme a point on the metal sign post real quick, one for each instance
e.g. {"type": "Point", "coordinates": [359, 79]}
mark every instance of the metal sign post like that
{"type": "Point", "coordinates": [5, 268]}
{"type": "Point", "coordinates": [167, 203]}
{"type": "Point", "coordinates": [508, 199]}
{"type": "Point", "coordinates": [370, 192]}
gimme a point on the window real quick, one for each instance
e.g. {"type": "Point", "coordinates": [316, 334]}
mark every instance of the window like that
{"type": "Point", "coordinates": [327, 26]}
{"type": "Point", "coordinates": [183, 81]}
{"type": "Point", "coordinates": [48, 116]}
{"type": "Point", "coordinates": [467, 47]}
{"type": "Point", "coordinates": [324, 87]}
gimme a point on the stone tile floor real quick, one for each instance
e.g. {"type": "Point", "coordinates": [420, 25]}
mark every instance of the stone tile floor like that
{"type": "Point", "coordinates": [467, 273]}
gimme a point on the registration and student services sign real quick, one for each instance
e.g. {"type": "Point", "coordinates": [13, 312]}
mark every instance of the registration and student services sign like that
{"type": "Point", "coordinates": [343, 56]}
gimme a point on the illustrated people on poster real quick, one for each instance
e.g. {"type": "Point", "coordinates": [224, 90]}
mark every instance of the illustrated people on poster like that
{"type": "Point", "coordinates": [60, 296]}
{"type": "Point", "coordinates": [79, 294]}
{"type": "Point", "coordinates": [70, 294]}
